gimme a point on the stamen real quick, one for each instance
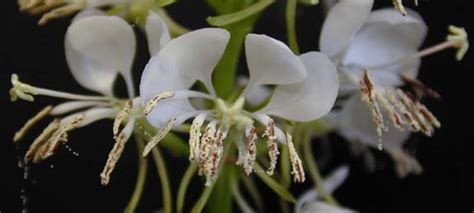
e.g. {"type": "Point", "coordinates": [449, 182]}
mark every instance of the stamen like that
{"type": "Point", "coordinates": [206, 146]}
{"type": "Point", "coordinates": [215, 156]}
{"type": "Point", "coordinates": [402, 107]}
{"type": "Point", "coordinates": [121, 116]}
{"type": "Point", "coordinates": [399, 6]}
{"type": "Point", "coordinates": [62, 11]}
{"type": "Point", "coordinates": [195, 137]}
{"type": "Point", "coordinates": [61, 135]}
{"type": "Point", "coordinates": [271, 145]}
{"type": "Point", "coordinates": [31, 122]}
{"type": "Point", "coordinates": [41, 139]}
{"type": "Point", "coordinates": [152, 103]}
{"type": "Point", "coordinates": [251, 151]}
{"type": "Point", "coordinates": [296, 164]}
{"type": "Point", "coordinates": [423, 117]}
{"type": "Point", "coordinates": [369, 96]}
{"type": "Point", "coordinates": [394, 115]}
{"type": "Point", "coordinates": [116, 152]}
{"type": "Point", "coordinates": [159, 136]}
{"type": "Point", "coordinates": [420, 87]}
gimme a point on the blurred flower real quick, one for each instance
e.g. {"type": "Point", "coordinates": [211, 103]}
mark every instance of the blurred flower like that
{"type": "Point", "coordinates": [306, 90]}
{"type": "Point", "coordinates": [376, 52]}
{"type": "Point", "coordinates": [309, 201]}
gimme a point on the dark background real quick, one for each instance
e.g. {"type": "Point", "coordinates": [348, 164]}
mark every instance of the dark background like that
{"type": "Point", "coordinates": [66, 183]}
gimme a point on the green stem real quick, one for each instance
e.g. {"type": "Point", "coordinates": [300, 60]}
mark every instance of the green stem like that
{"type": "Point", "coordinates": [240, 200]}
{"type": "Point", "coordinates": [141, 178]}
{"type": "Point", "coordinates": [314, 173]}
{"type": "Point", "coordinates": [201, 203]}
{"type": "Point", "coordinates": [252, 189]}
{"type": "Point", "coordinates": [188, 175]}
{"type": "Point", "coordinates": [165, 184]}
{"type": "Point", "coordinates": [290, 26]}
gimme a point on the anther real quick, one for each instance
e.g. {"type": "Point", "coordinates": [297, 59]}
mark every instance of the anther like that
{"type": "Point", "coordinates": [60, 135]}
{"type": "Point", "coordinates": [158, 136]}
{"type": "Point", "coordinates": [296, 164]}
{"type": "Point", "coordinates": [41, 139]}
{"type": "Point", "coordinates": [398, 4]}
{"type": "Point", "coordinates": [154, 101]}
{"type": "Point", "coordinates": [116, 152]}
{"type": "Point", "coordinates": [31, 122]}
{"type": "Point", "coordinates": [121, 116]}
{"type": "Point", "coordinates": [272, 146]}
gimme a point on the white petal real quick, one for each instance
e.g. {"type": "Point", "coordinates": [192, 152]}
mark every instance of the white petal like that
{"type": "Point", "coordinates": [157, 33]}
{"type": "Point", "coordinates": [387, 37]}
{"type": "Point", "coordinates": [88, 12]}
{"type": "Point", "coordinates": [271, 62]}
{"type": "Point", "coordinates": [107, 41]}
{"type": "Point", "coordinates": [310, 99]}
{"type": "Point", "coordinates": [331, 183]}
{"type": "Point", "coordinates": [342, 21]}
{"type": "Point", "coordinates": [356, 124]}
{"type": "Point", "coordinates": [192, 56]}
{"type": "Point", "coordinates": [320, 206]}
{"type": "Point", "coordinates": [89, 74]}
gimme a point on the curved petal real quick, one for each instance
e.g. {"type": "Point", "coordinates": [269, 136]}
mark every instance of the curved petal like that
{"type": "Point", "coordinates": [194, 55]}
{"type": "Point", "coordinates": [271, 62]}
{"type": "Point", "coordinates": [87, 73]}
{"type": "Point", "coordinates": [330, 183]}
{"type": "Point", "coordinates": [320, 206]}
{"type": "Point", "coordinates": [387, 37]}
{"type": "Point", "coordinates": [160, 75]}
{"type": "Point", "coordinates": [342, 21]}
{"type": "Point", "coordinates": [88, 12]}
{"type": "Point", "coordinates": [310, 99]}
{"type": "Point", "coordinates": [107, 41]}
{"type": "Point", "coordinates": [157, 33]}
{"type": "Point", "coordinates": [356, 124]}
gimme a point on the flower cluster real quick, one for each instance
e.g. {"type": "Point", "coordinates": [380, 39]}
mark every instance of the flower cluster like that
{"type": "Point", "coordinates": [368, 66]}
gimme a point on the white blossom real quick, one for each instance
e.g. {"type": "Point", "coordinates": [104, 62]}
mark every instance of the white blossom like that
{"type": "Point", "coordinates": [306, 88]}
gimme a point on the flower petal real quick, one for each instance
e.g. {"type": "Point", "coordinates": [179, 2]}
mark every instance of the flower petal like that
{"type": "Point", "coordinates": [387, 37]}
{"type": "Point", "coordinates": [106, 41]}
{"type": "Point", "coordinates": [356, 124]}
{"type": "Point", "coordinates": [319, 206]}
{"type": "Point", "coordinates": [88, 12]}
{"type": "Point", "coordinates": [87, 73]}
{"type": "Point", "coordinates": [271, 62]}
{"type": "Point", "coordinates": [342, 21]}
{"type": "Point", "coordinates": [330, 183]}
{"type": "Point", "coordinates": [192, 57]}
{"type": "Point", "coordinates": [310, 99]}
{"type": "Point", "coordinates": [157, 33]}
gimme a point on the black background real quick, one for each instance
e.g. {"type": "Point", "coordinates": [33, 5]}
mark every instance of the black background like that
{"type": "Point", "coordinates": [66, 183]}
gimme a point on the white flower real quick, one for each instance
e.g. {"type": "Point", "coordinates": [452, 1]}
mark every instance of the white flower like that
{"type": "Point", "coordinates": [98, 49]}
{"type": "Point", "coordinates": [306, 90]}
{"type": "Point", "coordinates": [309, 201]}
{"type": "Point", "coordinates": [376, 52]}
